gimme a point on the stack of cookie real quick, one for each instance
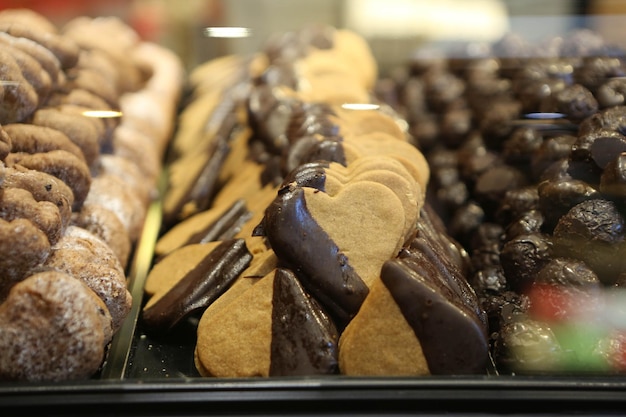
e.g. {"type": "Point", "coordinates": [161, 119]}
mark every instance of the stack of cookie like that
{"type": "Point", "coordinates": [301, 237]}
{"type": "Point", "coordinates": [87, 111]}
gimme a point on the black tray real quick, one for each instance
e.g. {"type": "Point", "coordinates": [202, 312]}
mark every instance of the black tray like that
{"type": "Point", "coordinates": [148, 375]}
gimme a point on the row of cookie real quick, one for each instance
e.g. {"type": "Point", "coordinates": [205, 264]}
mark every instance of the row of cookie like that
{"type": "Point", "coordinates": [300, 263]}
{"type": "Point", "coordinates": [80, 166]}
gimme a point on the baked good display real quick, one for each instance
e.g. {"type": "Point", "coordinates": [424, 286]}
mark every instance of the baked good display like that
{"type": "Point", "coordinates": [325, 203]}
{"type": "Point", "coordinates": [75, 133]}
{"type": "Point", "coordinates": [526, 155]}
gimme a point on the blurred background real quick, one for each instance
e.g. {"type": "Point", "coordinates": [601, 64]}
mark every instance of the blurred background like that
{"type": "Point", "coordinates": [394, 28]}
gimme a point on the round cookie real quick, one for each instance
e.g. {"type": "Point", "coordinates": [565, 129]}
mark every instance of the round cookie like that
{"type": "Point", "coordinates": [86, 257]}
{"type": "Point", "coordinates": [19, 99]}
{"type": "Point", "coordinates": [63, 48]}
{"type": "Point", "coordinates": [17, 261]}
{"type": "Point", "coordinates": [54, 310]}
{"type": "Point", "coordinates": [61, 164]}
{"type": "Point", "coordinates": [43, 187]}
{"type": "Point", "coordinates": [105, 224]}
{"type": "Point", "coordinates": [18, 203]}
{"type": "Point", "coordinates": [29, 138]}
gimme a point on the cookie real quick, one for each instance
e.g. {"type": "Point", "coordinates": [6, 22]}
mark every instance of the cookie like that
{"type": "Point", "coordinates": [106, 225]}
{"type": "Point", "coordinates": [43, 187]}
{"type": "Point", "coordinates": [217, 223]}
{"type": "Point", "coordinates": [86, 257]}
{"type": "Point", "coordinates": [18, 261]}
{"type": "Point", "coordinates": [61, 164]}
{"type": "Point", "coordinates": [18, 203]}
{"type": "Point", "coordinates": [54, 310]}
{"type": "Point", "coordinates": [198, 287]}
{"type": "Point", "coordinates": [29, 138]}
{"type": "Point", "coordinates": [379, 341]}
{"type": "Point", "coordinates": [274, 328]}
{"type": "Point", "coordinates": [19, 99]}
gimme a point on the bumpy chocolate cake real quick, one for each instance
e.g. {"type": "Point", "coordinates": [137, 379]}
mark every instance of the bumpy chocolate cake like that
{"type": "Point", "coordinates": [73, 191]}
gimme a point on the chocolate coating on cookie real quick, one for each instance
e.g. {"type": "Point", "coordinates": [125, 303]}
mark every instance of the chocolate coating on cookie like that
{"type": "Point", "coordinates": [200, 286]}
{"type": "Point", "coordinates": [453, 342]}
{"type": "Point", "coordinates": [323, 269]}
{"type": "Point", "coordinates": [304, 338]}
{"type": "Point", "coordinates": [225, 227]}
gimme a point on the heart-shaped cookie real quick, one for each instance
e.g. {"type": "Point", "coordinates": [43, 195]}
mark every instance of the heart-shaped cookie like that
{"type": "Point", "coordinates": [381, 143]}
{"type": "Point", "coordinates": [274, 328]}
{"type": "Point", "coordinates": [365, 220]}
{"type": "Point", "coordinates": [235, 340]}
{"type": "Point", "coordinates": [386, 171]}
{"type": "Point", "coordinates": [379, 341]}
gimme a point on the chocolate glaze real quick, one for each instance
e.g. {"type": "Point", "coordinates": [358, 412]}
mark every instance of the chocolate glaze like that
{"type": "Point", "coordinates": [206, 185]}
{"type": "Point", "coordinates": [453, 341]}
{"type": "Point", "coordinates": [298, 240]}
{"type": "Point", "coordinates": [310, 149]}
{"type": "Point", "coordinates": [203, 188]}
{"type": "Point", "coordinates": [225, 227]}
{"type": "Point", "coordinates": [200, 287]}
{"type": "Point", "coordinates": [304, 339]}
{"type": "Point", "coordinates": [311, 175]}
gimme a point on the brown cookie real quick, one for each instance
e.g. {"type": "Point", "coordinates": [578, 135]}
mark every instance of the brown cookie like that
{"type": "Point", "coordinates": [52, 328]}
{"type": "Point", "coordinates": [43, 187]}
{"type": "Point", "coordinates": [18, 260]}
{"type": "Point", "coordinates": [235, 339]}
{"type": "Point", "coordinates": [29, 18]}
{"type": "Point", "coordinates": [19, 98]}
{"type": "Point", "coordinates": [105, 224]}
{"type": "Point", "coordinates": [199, 287]}
{"type": "Point", "coordinates": [128, 172]}
{"type": "Point", "coordinates": [18, 203]}
{"type": "Point", "coordinates": [33, 72]}
{"type": "Point", "coordinates": [277, 327]}
{"type": "Point", "coordinates": [79, 129]}
{"type": "Point", "coordinates": [138, 147]}
{"type": "Point", "coordinates": [65, 49]}
{"type": "Point", "coordinates": [379, 341]}
{"type": "Point", "coordinates": [86, 257]}
{"type": "Point", "coordinates": [6, 144]}
{"type": "Point", "coordinates": [112, 193]}
{"type": "Point", "coordinates": [31, 138]}
{"type": "Point", "coordinates": [43, 56]}
{"type": "Point", "coordinates": [61, 164]}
